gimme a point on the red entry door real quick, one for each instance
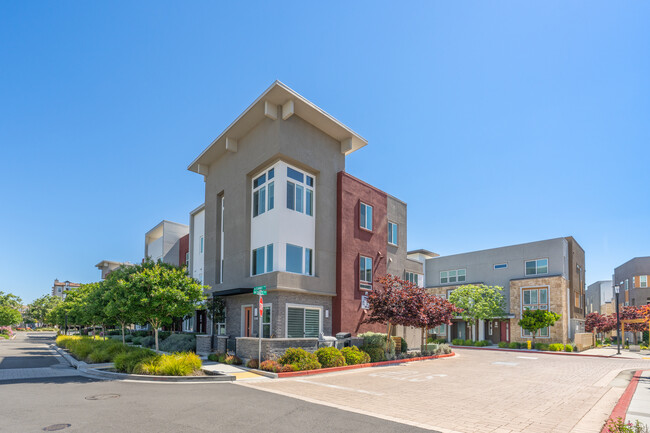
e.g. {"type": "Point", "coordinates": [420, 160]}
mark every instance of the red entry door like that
{"type": "Point", "coordinates": [248, 321]}
{"type": "Point", "coordinates": [505, 331]}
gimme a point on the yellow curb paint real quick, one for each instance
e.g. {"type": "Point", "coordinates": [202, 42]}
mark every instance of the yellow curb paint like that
{"type": "Point", "coordinates": [246, 375]}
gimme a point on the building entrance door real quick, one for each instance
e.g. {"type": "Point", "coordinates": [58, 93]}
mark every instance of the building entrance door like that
{"type": "Point", "coordinates": [505, 331]}
{"type": "Point", "coordinates": [248, 321]}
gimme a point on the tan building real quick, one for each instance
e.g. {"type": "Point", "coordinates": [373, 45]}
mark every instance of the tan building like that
{"type": "Point", "coordinates": [59, 288]}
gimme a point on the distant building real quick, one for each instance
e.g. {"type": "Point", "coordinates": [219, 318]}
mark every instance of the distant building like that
{"type": "Point", "coordinates": [632, 278]}
{"type": "Point", "coordinates": [598, 295]}
{"type": "Point", "coordinates": [169, 242]}
{"type": "Point", "coordinates": [59, 288]}
{"type": "Point", "coordinates": [548, 275]}
{"type": "Point", "coordinates": [108, 266]}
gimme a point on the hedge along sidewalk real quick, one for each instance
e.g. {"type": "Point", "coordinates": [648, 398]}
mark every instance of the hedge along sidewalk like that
{"type": "Point", "coordinates": [347, 367]}
{"type": "Point", "coordinates": [543, 352]}
{"type": "Point", "coordinates": [97, 371]}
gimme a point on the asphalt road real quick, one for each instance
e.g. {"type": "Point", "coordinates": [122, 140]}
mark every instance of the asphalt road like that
{"type": "Point", "coordinates": [30, 404]}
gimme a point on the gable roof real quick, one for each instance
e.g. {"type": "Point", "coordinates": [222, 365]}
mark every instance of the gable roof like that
{"type": "Point", "coordinates": [278, 94]}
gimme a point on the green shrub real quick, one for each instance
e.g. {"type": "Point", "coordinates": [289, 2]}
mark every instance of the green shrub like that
{"type": "Point", "coordinates": [377, 354]}
{"type": "Point", "coordinates": [353, 355]}
{"type": "Point", "coordinates": [373, 339]}
{"type": "Point", "coordinates": [140, 333]}
{"type": "Point", "coordinates": [271, 366]}
{"type": "Point", "coordinates": [253, 363]}
{"type": "Point", "coordinates": [115, 332]}
{"type": "Point", "coordinates": [128, 338]}
{"type": "Point", "coordinates": [163, 335]}
{"type": "Point", "coordinates": [179, 343]}
{"type": "Point", "coordinates": [514, 345]}
{"type": "Point", "coordinates": [136, 341]}
{"type": "Point", "coordinates": [457, 342]}
{"type": "Point", "coordinates": [502, 344]}
{"type": "Point", "coordinates": [177, 364]}
{"type": "Point", "coordinates": [215, 356]}
{"type": "Point", "coordinates": [330, 357]}
{"type": "Point", "coordinates": [556, 347]}
{"type": "Point", "coordinates": [430, 348]}
{"type": "Point", "coordinates": [127, 361]}
{"type": "Point", "coordinates": [443, 349]}
{"type": "Point", "coordinates": [300, 359]}
{"type": "Point", "coordinates": [468, 343]}
{"type": "Point", "coordinates": [568, 348]}
{"type": "Point", "coordinates": [148, 341]}
{"type": "Point", "coordinates": [288, 368]}
{"type": "Point", "coordinates": [541, 346]}
{"type": "Point", "coordinates": [99, 355]}
{"type": "Point", "coordinates": [482, 343]}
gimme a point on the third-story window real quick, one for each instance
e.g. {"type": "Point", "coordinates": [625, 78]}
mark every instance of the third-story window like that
{"type": "Point", "coordinates": [365, 216]}
{"type": "Point", "coordinates": [300, 192]}
{"type": "Point", "coordinates": [392, 233]}
{"type": "Point", "coordinates": [536, 267]}
{"type": "Point", "coordinates": [365, 273]}
{"type": "Point", "coordinates": [263, 200]}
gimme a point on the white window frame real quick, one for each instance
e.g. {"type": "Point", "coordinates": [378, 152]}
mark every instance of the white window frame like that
{"type": "Point", "coordinates": [412, 277]}
{"type": "Point", "coordinates": [270, 322]}
{"type": "Point", "coordinates": [456, 276]}
{"type": "Point", "coordinates": [365, 221]}
{"type": "Point", "coordinates": [304, 306]}
{"type": "Point", "coordinates": [302, 260]}
{"type": "Point", "coordinates": [390, 233]}
{"type": "Point", "coordinates": [265, 265]}
{"type": "Point", "coordinates": [305, 187]}
{"type": "Point", "coordinates": [267, 185]}
{"type": "Point", "coordinates": [526, 334]}
{"type": "Point", "coordinates": [189, 321]}
{"type": "Point", "coordinates": [536, 266]}
{"type": "Point", "coordinates": [363, 284]}
{"type": "Point", "coordinates": [643, 281]}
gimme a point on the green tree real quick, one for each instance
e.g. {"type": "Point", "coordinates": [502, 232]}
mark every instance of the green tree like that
{"type": "Point", "coordinates": [10, 300]}
{"type": "Point", "coordinates": [216, 310]}
{"type": "Point", "coordinates": [478, 302]}
{"type": "Point", "coordinates": [9, 316]}
{"type": "Point", "coordinates": [39, 309]}
{"type": "Point", "coordinates": [162, 292]}
{"type": "Point", "coordinates": [118, 297]}
{"type": "Point", "coordinates": [534, 320]}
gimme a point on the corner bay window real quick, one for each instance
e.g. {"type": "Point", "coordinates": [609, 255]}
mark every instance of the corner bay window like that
{"type": "Point", "coordinates": [303, 322]}
{"type": "Point", "coordinates": [261, 200]}
{"type": "Point", "coordinates": [262, 260]}
{"type": "Point", "coordinates": [365, 273]}
{"type": "Point", "coordinates": [365, 216]}
{"type": "Point", "coordinates": [297, 257]}
{"type": "Point", "coordinates": [300, 192]}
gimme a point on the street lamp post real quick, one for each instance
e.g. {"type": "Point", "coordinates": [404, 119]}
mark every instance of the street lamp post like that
{"type": "Point", "coordinates": [618, 323]}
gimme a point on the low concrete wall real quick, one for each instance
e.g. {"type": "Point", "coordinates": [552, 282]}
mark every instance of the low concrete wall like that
{"type": "Point", "coordinates": [584, 341]}
{"type": "Point", "coordinates": [272, 348]}
{"type": "Point", "coordinates": [203, 344]}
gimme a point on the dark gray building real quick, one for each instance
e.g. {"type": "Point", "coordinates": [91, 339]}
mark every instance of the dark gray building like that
{"type": "Point", "coordinates": [632, 278]}
{"type": "Point", "coordinates": [598, 295]}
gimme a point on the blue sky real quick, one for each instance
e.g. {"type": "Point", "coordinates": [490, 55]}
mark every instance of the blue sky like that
{"type": "Point", "coordinates": [497, 122]}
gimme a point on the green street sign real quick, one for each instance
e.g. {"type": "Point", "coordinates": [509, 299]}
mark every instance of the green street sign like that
{"type": "Point", "coordinates": [259, 290]}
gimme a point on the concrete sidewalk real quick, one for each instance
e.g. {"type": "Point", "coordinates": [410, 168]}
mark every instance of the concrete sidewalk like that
{"type": "Point", "coordinates": [639, 408]}
{"type": "Point", "coordinates": [611, 352]}
{"type": "Point", "coordinates": [232, 370]}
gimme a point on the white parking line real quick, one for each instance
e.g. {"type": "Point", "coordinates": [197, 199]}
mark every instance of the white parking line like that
{"type": "Point", "coordinates": [526, 357]}
{"type": "Point", "coordinates": [343, 388]}
{"type": "Point", "coordinates": [505, 363]}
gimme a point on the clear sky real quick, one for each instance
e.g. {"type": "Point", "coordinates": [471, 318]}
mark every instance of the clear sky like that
{"type": "Point", "coordinates": [497, 122]}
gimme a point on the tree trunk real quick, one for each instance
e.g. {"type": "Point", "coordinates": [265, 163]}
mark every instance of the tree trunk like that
{"type": "Point", "coordinates": [156, 336]}
{"type": "Point", "coordinates": [388, 339]}
{"type": "Point", "coordinates": [123, 338]}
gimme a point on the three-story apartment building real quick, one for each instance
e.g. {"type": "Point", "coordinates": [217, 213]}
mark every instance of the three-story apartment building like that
{"type": "Point", "coordinates": [632, 278]}
{"type": "Point", "coordinates": [281, 212]}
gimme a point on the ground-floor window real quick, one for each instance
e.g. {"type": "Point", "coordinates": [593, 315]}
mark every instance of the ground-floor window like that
{"type": "Point", "coordinates": [266, 322]}
{"type": "Point", "coordinates": [220, 328]}
{"type": "Point", "coordinates": [439, 330]}
{"type": "Point", "coordinates": [188, 324]}
{"type": "Point", "coordinates": [303, 322]}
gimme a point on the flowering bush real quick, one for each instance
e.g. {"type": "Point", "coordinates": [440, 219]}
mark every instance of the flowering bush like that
{"type": "Point", "coordinates": [271, 366]}
{"type": "Point", "coordinates": [619, 426]}
{"type": "Point", "coordinates": [253, 363]}
{"type": "Point", "coordinates": [6, 330]}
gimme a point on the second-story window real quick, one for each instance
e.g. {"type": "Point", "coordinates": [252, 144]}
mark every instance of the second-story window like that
{"type": "Point", "coordinates": [201, 248]}
{"type": "Point", "coordinates": [365, 216]}
{"type": "Point", "coordinates": [411, 277]}
{"type": "Point", "coordinates": [457, 275]}
{"type": "Point", "coordinates": [262, 260]}
{"type": "Point", "coordinates": [365, 273]}
{"type": "Point", "coordinates": [536, 267]}
{"type": "Point", "coordinates": [263, 193]}
{"type": "Point", "coordinates": [643, 281]}
{"type": "Point", "coordinates": [300, 192]}
{"type": "Point", "coordinates": [392, 233]}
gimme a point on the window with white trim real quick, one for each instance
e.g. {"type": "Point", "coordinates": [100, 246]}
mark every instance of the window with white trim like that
{"type": "Point", "coordinates": [535, 299]}
{"type": "Point", "coordinates": [365, 216]}
{"type": "Point", "coordinates": [300, 191]}
{"type": "Point", "coordinates": [537, 267]}
{"type": "Point", "coordinates": [266, 322]}
{"type": "Point", "coordinates": [392, 233]}
{"type": "Point", "coordinates": [299, 260]}
{"type": "Point", "coordinates": [643, 281]}
{"type": "Point", "coordinates": [188, 324]}
{"type": "Point", "coordinates": [411, 277]}
{"type": "Point", "coordinates": [262, 260]}
{"type": "Point", "coordinates": [261, 200]}
{"type": "Point", "coordinates": [365, 273]}
{"type": "Point", "coordinates": [453, 276]}
{"type": "Point", "coordinates": [303, 322]}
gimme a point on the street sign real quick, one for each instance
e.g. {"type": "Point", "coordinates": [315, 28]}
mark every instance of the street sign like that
{"type": "Point", "coordinates": [259, 290]}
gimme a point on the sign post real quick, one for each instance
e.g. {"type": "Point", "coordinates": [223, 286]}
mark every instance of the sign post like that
{"type": "Point", "coordinates": [259, 290]}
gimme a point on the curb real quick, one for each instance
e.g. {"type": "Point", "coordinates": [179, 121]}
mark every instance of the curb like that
{"type": "Point", "coordinates": [353, 367]}
{"type": "Point", "coordinates": [620, 410]}
{"type": "Point", "coordinates": [543, 352]}
{"type": "Point", "coordinates": [95, 372]}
